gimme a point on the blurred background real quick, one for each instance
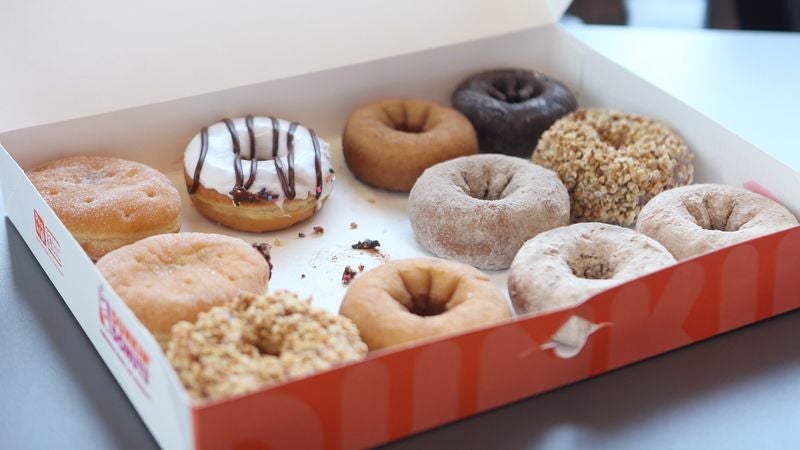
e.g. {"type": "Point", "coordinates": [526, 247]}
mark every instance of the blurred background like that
{"type": "Point", "coordinates": [770, 15]}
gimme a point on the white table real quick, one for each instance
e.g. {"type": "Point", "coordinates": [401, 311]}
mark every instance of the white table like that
{"type": "Point", "coordinates": [740, 390]}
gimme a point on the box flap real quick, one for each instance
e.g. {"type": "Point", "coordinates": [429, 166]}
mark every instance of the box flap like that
{"type": "Point", "coordinates": [65, 60]}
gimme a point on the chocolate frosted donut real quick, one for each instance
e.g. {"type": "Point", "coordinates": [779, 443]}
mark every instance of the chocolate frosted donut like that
{"type": "Point", "coordinates": [567, 265]}
{"type": "Point", "coordinates": [480, 209]}
{"type": "Point", "coordinates": [511, 108]}
{"type": "Point", "coordinates": [700, 218]}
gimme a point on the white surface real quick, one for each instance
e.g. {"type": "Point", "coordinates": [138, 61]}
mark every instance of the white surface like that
{"type": "Point", "coordinates": [738, 391]}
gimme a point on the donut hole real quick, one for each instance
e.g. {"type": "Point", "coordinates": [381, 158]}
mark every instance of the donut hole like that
{"type": "Point", "coordinates": [714, 214]}
{"type": "Point", "coordinates": [405, 119]}
{"type": "Point", "coordinates": [424, 307]}
{"type": "Point", "coordinates": [514, 89]}
{"type": "Point", "coordinates": [489, 186]}
{"type": "Point", "coordinates": [591, 267]}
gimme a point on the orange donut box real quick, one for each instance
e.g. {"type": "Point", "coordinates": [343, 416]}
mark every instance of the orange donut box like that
{"type": "Point", "coordinates": [398, 392]}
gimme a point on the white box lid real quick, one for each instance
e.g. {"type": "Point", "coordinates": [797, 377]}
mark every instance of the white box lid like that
{"type": "Point", "coordinates": [65, 60]}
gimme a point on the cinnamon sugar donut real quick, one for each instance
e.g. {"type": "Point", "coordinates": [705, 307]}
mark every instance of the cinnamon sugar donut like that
{"type": "Point", "coordinates": [258, 173]}
{"type": "Point", "coordinates": [696, 219]}
{"type": "Point", "coordinates": [406, 300]}
{"type": "Point", "coordinates": [480, 209]}
{"type": "Point", "coordinates": [613, 163]}
{"type": "Point", "coordinates": [389, 143]}
{"type": "Point", "coordinates": [106, 203]}
{"type": "Point", "coordinates": [259, 340]}
{"type": "Point", "coordinates": [172, 277]}
{"type": "Point", "coordinates": [565, 266]}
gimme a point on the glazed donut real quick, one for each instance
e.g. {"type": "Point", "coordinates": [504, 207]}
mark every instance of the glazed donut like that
{"type": "Point", "coordinates": [613, 163]}
{"type": "Point", "coordinates": [565, 266]}
{"type": "Point", "coordinates": [480, 209]}
{"type": "Point", "coordinates": [285, 181]}
{"type": "Point", "coordinates": [106, 203]}
{"type": "Point", "coordinates": [406, 300]}
{"type": "Point", "coordinates": [700, 218]}
{"type": "Point", "coordinates": [258, 341]}
{"type": "Point", "coordinates": [172, 277]}
{"type": "Point", "coordinates": [389, 143]}
{"type": "Point", "coordinates": [511, 108]}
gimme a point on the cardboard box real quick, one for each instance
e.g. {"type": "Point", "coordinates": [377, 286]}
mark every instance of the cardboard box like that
{"type": "Point", "coordinates": [399, 392]}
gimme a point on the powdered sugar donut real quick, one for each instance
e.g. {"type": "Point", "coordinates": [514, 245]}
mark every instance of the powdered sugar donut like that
{"type": "Point", "coordinates": [258, 173]}
{"type": "Point", "coordinates": [480, 209]}
{"type": "Point", "coordinates": [696, 219]}
{"type": "Point", "coordinates": [565, 266]}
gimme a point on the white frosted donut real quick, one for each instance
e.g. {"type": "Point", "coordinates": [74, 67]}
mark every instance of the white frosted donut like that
{"type": "Point", "coordinates": [480, 209]}
{"type": "Point", "coordinates": [696, 219]}
{"type": "Point", "coordinates": [567, 265]}
{"type": "Point", "coordinates": [250, 191]}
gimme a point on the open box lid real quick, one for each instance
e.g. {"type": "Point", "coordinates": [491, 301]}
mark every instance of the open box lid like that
{"type": "Point", "coordinates": [67, 60]}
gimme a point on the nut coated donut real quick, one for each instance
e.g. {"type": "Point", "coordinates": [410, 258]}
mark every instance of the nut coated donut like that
{"type": "Point", "coordinates": [613, 163]}
{"type": "Point", "coordinates": [565, 266]}
{"type": "Point", "coordinates": [258, 173]}
{"type": "Point", "coordinates": [700, 218]}
{"type": "Point", "coordinates": [106, 203]}
{"type": "Point", "coordinates": [389, 143]}
{"type": "Point", "coordinates": [257, 341]}
{"type": "Point", "coordinates": [173, 277]}
{"type": "Point", "coordinates": [511, 108]}
{"type": "Point", "coordinates": [480, 209]}
{"type": "Point", "coordinates": [405, 300]}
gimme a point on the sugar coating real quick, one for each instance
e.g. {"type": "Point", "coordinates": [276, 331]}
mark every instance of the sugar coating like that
{"type": "Point", "coordinates": [613, 163]}
{"type": "Point", "coordinates": [258, 341]}
{"type": "Point", "coordinates": [695, 219]}
{"type": "Point", "coordinates": [480, 209]}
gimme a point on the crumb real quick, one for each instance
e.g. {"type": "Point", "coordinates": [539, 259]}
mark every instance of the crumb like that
{"type": "Point", "coordinates": [301, 235]}
{"type": "Point", "coordinates": [366, 244]}
{"type": "Point", "coordinates": [360, 267]}
{"type": "Point", "coordinates": [348, 275]}
{"type": "Point", "coordinates": [302, 275]}
{"type": "Point", "coordinates": [371, 200]}
{"type": "Point", "coordinates": [318, 230]}
{"type": "Point", "coordinates": [353, 225]}
{"type": "Point", "coordinates": [276, 242]}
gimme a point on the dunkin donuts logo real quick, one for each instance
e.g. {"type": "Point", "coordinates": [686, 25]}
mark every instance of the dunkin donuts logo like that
{"type": "Point", "coordinates": [48, 241]}
{"type": "Point", "coordinates": [129, 351]}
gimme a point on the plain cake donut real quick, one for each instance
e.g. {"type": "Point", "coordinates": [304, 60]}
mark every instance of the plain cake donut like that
{"type": "Point", "coordinates": [258, 173]}
{"type": "Point", "coordinates": [172, 277]}
{"type": "Point", "coordinates": [480, 209]}
{"type": "Point", "coordinates": [696, 219]}
{"type": "Point", "coordinates": [567, 265]}
{"type": "Point", "coordinates": [406, 300]}
{"type": "Point", "coordinates": [105, 202]}
{"type": "Point", "coordinates": [613, 163]}
{"type": "Point", "coordinates": [389, 143]}
{"type": "Point", "coordinates": [511, 108]}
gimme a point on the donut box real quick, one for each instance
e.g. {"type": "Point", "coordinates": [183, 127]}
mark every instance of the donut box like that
{"type": "Point", "coordinates": [398, 392]}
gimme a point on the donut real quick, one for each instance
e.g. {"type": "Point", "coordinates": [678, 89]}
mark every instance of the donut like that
{"type": "Point", "coordinates": [511, 108]}
{"type": "Point", "coordinates": [613, 163]}
{"type": "Point", "coordinates": [172, 277]}
{"type": "Point", "coordinates": [286, 180]}
{"type": "Point", "coordinates": [480, 209]}
{"type": "Point", "coordinates": [105, 202]}
{"type": "Point", "coordinates": [696, 219]}
{"type": "Point", "coordinates": [389, 143]}
{"type": "Point", "coordinates": [405, 300]}
{"type": "Point", "coordinates": [567, 265]}
{"type": "Point", "coordinates": [258, 341]}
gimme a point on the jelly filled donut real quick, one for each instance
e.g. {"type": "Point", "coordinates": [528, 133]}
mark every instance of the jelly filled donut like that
{"type": "Point", "coordinates": [696, 219]}
{"type": "Point", "coordinates": [107, 203]}
{"type": "Point", "coordinates": [258, 173]}
{"type": "Point", "coordinates": [389, 143]}
{"type": "Point", "coordinates": [613, 163]}
{"type": "Point", "coordinates": [511, 108]}
{"type": "Point", "coordinates": [565, 266]}
{"type": "Point", "coordinates": [480, 209]}
{"type": "Point", "coordinates": [405, 300]}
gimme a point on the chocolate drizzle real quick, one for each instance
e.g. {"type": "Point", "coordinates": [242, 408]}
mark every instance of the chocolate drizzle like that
{"type": "Point", "coordinates": [240, 191]}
